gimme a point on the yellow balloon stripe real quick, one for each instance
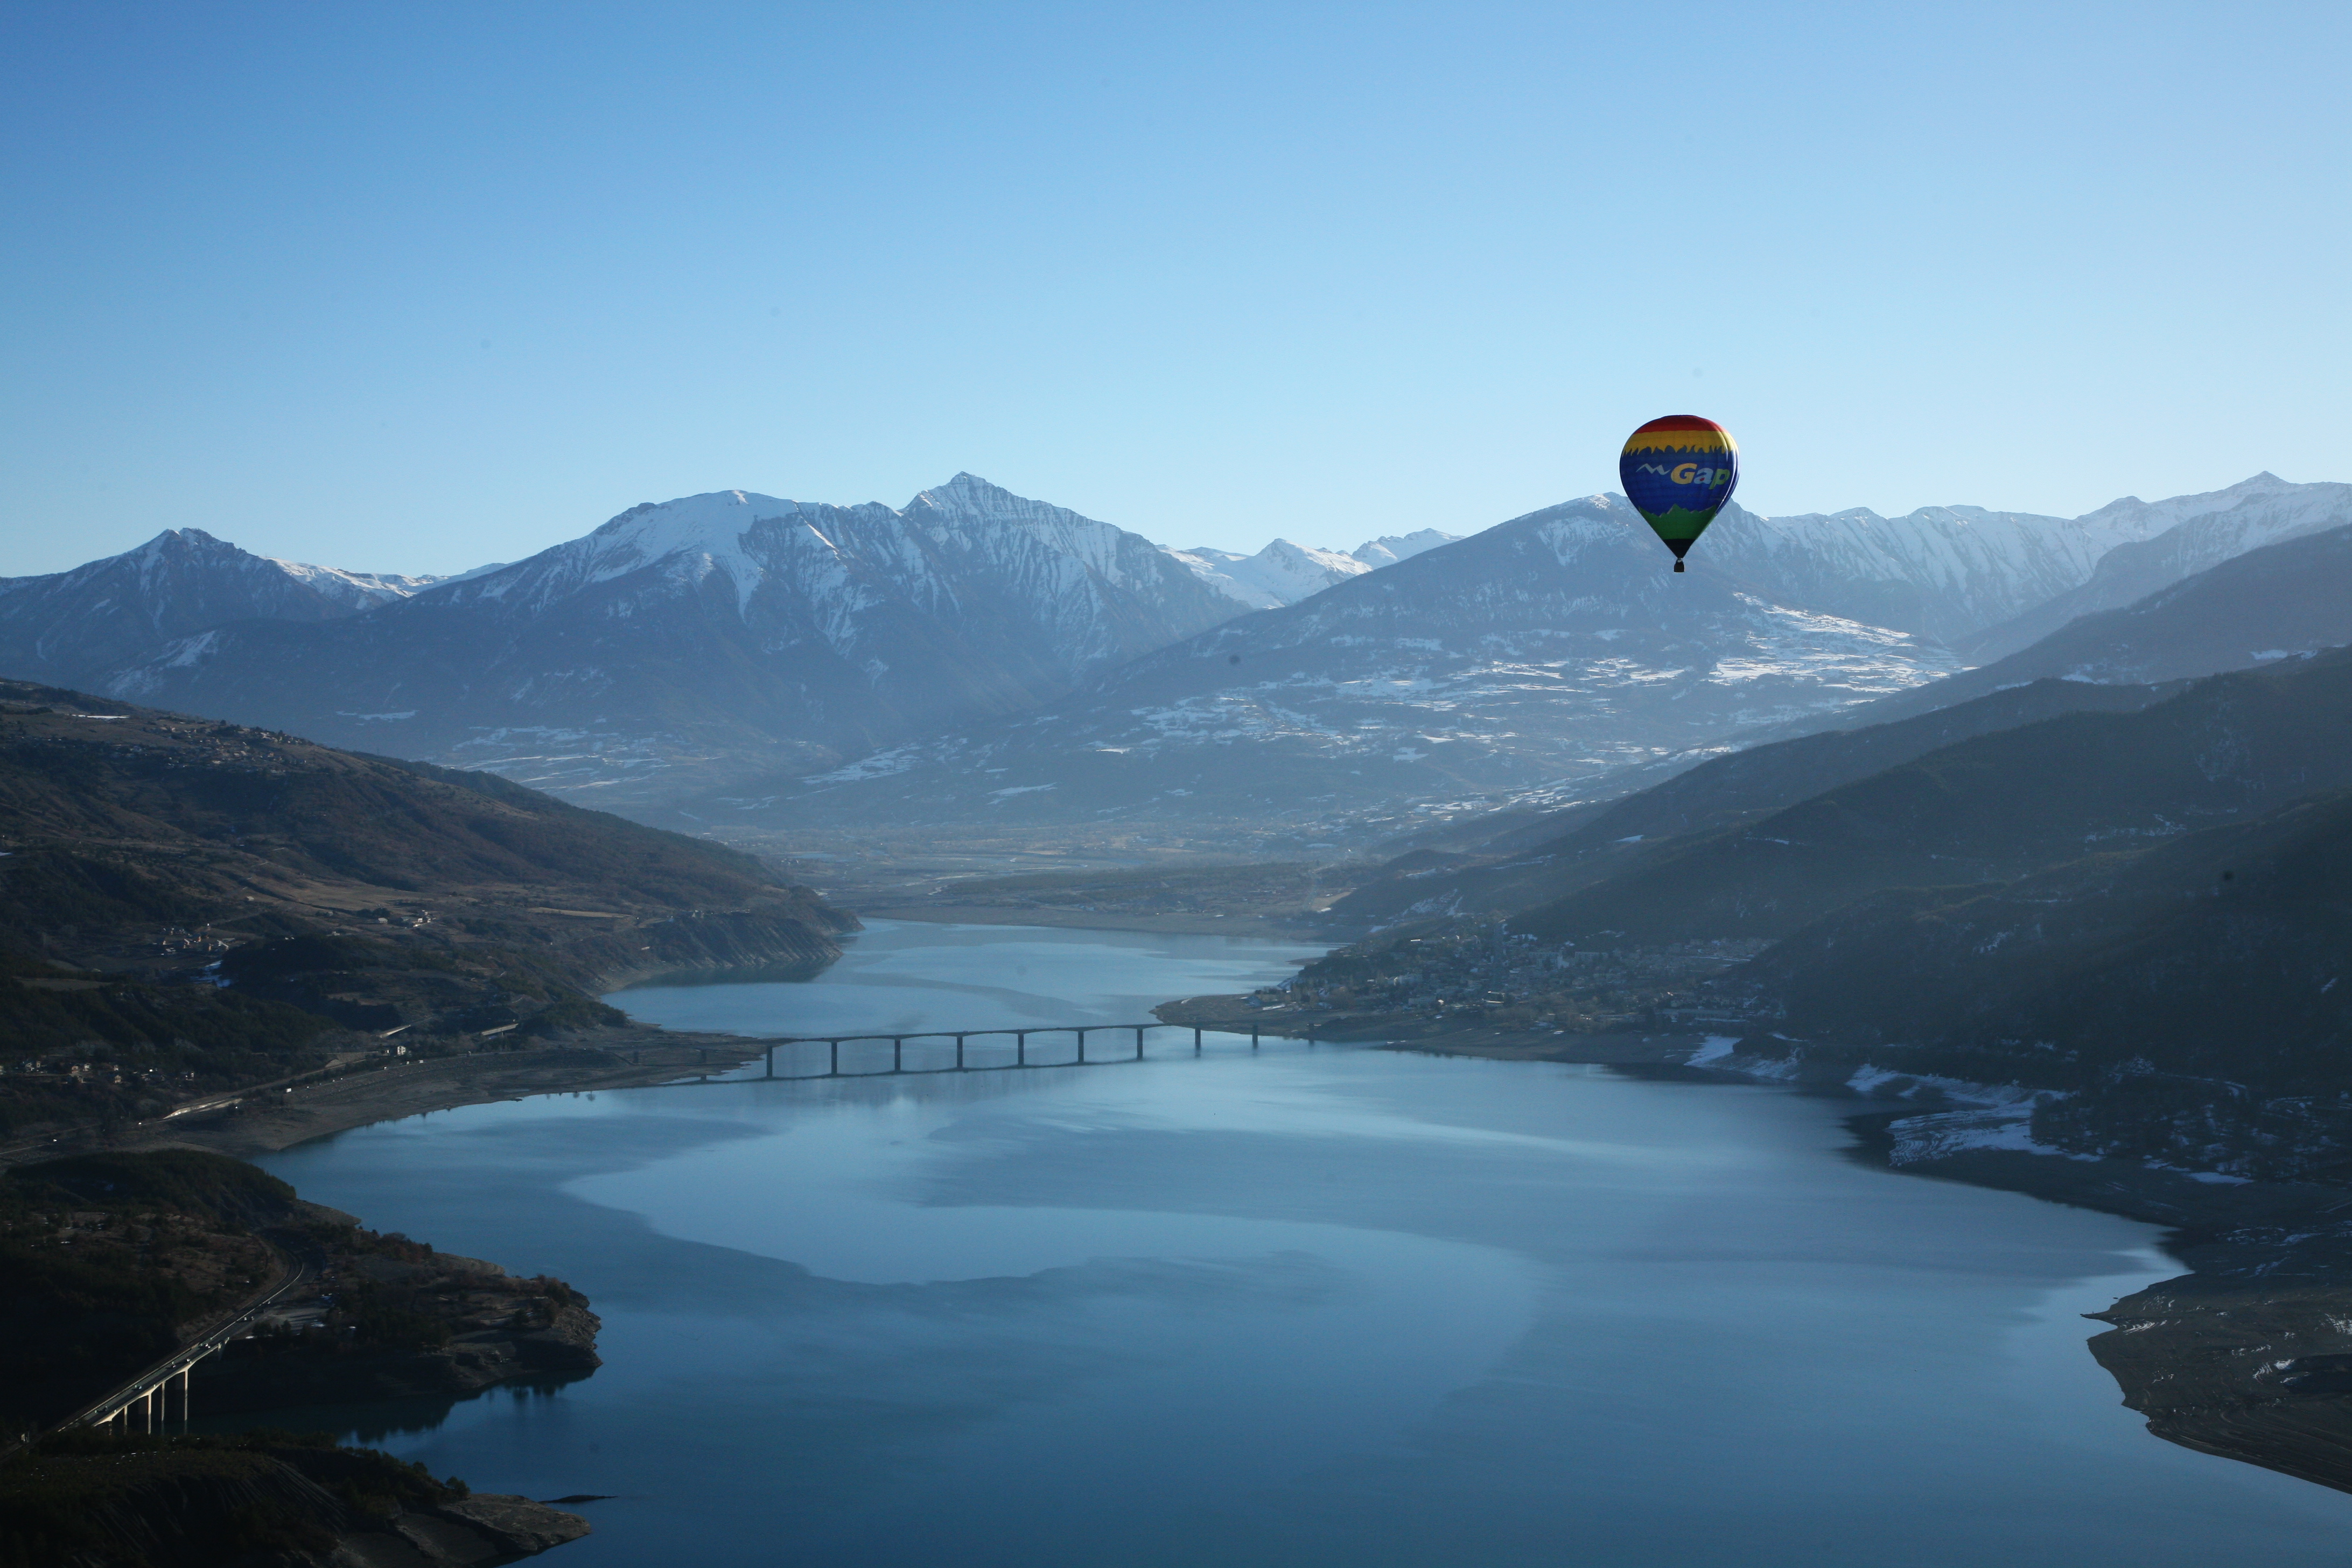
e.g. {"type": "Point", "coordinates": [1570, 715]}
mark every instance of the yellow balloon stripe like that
{"type": "Point", "coordinates": [1706, 443]}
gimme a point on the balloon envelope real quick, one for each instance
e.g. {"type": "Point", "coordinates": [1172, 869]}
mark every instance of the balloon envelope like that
{"type": "Point", "coordinates": [1679, 471]}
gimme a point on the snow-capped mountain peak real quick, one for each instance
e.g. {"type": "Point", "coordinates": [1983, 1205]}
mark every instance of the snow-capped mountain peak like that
{"type": "Point", "coordinates": [1281, 573]}
{"type": "Point", "coordinates": [2143, 519]}
{"type": "Point", "coordinates": [1953, 572]}
{"type": "Point", "coordinates": [1392, 548]}
{"type": "Point", "coordinates": [730, 621]}
{"type": "Point", "coordinates": [66, 626]}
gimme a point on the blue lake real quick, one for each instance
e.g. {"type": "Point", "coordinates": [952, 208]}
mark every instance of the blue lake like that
{"type": "Point", "coordinates": [1302, 1306]}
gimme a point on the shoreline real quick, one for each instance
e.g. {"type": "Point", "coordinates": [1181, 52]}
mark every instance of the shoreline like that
{"type": "Point", "coordinates": [1274, 928]}
{"type": "Point", "coordinates": [2268, 1280]}
{"type": "Point", "coordinates": [632, 1057]}
{"type": "Point", "coordinates": [2246, 1356]}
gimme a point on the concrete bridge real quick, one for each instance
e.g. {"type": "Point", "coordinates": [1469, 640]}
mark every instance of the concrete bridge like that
{"type": "Point", "coordinates": [144, 1404]}
{"type": "Point", "coordinates": [954, 1050]}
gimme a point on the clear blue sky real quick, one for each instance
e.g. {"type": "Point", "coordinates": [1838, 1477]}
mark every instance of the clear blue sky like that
{"type": "Point", "coordinates": [408, 288]}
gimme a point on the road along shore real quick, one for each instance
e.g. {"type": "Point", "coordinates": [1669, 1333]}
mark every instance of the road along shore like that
{"type": "Point", "coordinates": [263, 1122]}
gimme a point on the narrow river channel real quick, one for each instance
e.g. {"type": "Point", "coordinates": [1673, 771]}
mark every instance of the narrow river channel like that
{"type": "Point", "coordinates": [1301, 1306]}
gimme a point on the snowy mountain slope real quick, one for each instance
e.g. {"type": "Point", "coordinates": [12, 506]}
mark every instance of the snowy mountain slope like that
{"type": "Point", "coordinates": [66, 628]}
{"type": "Point", "coordinates": [1392, 548]}
{"type": "Point", "coordinates": [1940, 571]}
{"type": "Point", "coordinates": [2270, 605]}
{"type": "Point", "coordinates": [1284, 573]}
{"type": "Point", "coordinates": [1546, 651]}
{"type": "Point", "coordinates": [2205, 531]}
{"type": "Point", "coordinates": [734, 636]}
{"type": "Point", "coordinates": [1281, 573]}
{"type": "Point", "coordinates": [1953, 572]}
{"type": "Point", "coordinates": [715, 631]}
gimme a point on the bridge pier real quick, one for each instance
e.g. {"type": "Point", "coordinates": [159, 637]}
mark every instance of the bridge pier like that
{"type": "Point", "coordinates": [963, 1062]}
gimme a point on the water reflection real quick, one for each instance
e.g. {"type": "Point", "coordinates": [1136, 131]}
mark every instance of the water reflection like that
{"type": "Point", "coordinates": [380, 1423]}
{"type": "Point", "coordinates": [905, 976]}
{"type": "Point", "coordinates": [1305, 1308]}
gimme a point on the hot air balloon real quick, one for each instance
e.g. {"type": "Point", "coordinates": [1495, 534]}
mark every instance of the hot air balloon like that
{"type": "Point", "coordinates": [1679, 471]}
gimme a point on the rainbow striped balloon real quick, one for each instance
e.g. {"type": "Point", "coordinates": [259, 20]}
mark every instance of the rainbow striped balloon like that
{"type": "Point", "coordinates": [1679, 471]}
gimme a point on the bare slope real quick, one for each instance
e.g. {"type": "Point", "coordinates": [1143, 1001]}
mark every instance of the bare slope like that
{"type": "Point", "coordinates": [186, 904]}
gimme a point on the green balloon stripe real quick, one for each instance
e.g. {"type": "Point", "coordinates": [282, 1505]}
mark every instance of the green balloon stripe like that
{"type": "Point", "coordinates": [1680, 525]}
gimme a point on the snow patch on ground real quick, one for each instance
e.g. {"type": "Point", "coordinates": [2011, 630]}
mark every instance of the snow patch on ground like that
{"type": "Point", "coordinates": [1942, 1134]}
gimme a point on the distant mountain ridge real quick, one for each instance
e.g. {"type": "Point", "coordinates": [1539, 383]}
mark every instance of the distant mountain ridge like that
{"type": "Point", "coordinates": [1552, 647]}
{"type": "Point", "coordinates": [2272, 602]}
{"type": "Point", "coordinates": [723, 629]}
{"type": "Point", "coordinates": [72, 627]}
{"type": "Point", "coordinates": [700, 645]}
{"type": "Point", "coordinates": [2297, 592]}
{"type": "Point", "coordinates": [2264, 509]}
{"type": "Point", "coordinates": [1959, 572]}
{"type": "Point", "coordinates": [1987, 809]}
{"type": "Point", "coordinates": [1536, 861]}
{"type": "Point", "coordinates": [1284, 573]}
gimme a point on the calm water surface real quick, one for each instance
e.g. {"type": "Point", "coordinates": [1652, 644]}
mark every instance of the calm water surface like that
{"type": "Point", "coordinates": [1305, 1307]}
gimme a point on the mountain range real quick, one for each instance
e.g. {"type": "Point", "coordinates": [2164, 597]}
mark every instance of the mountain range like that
{"type": "Point", "coordinates": [77, 627]}
{"type": "Point", "coordinates": [1283, 573]}
{"type": "Point", "coordinates": [2129, 899]}
{"type": "Point", "coordinates": [2266, 605]}
{"type": "Point", "coordinates": [722, 630]}
{"type": "Point", "coordinates": [979, 655]}
{"type": "Point", "coordinates": [1974, 578]}
{"type": "Point", "coordinates": [1551, 647]}
{"type": "Point", "coordinates": [2300, 590]}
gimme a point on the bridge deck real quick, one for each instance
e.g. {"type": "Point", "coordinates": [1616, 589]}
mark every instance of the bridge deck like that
{"type": "Point", "coordinates": [958, 1043]}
